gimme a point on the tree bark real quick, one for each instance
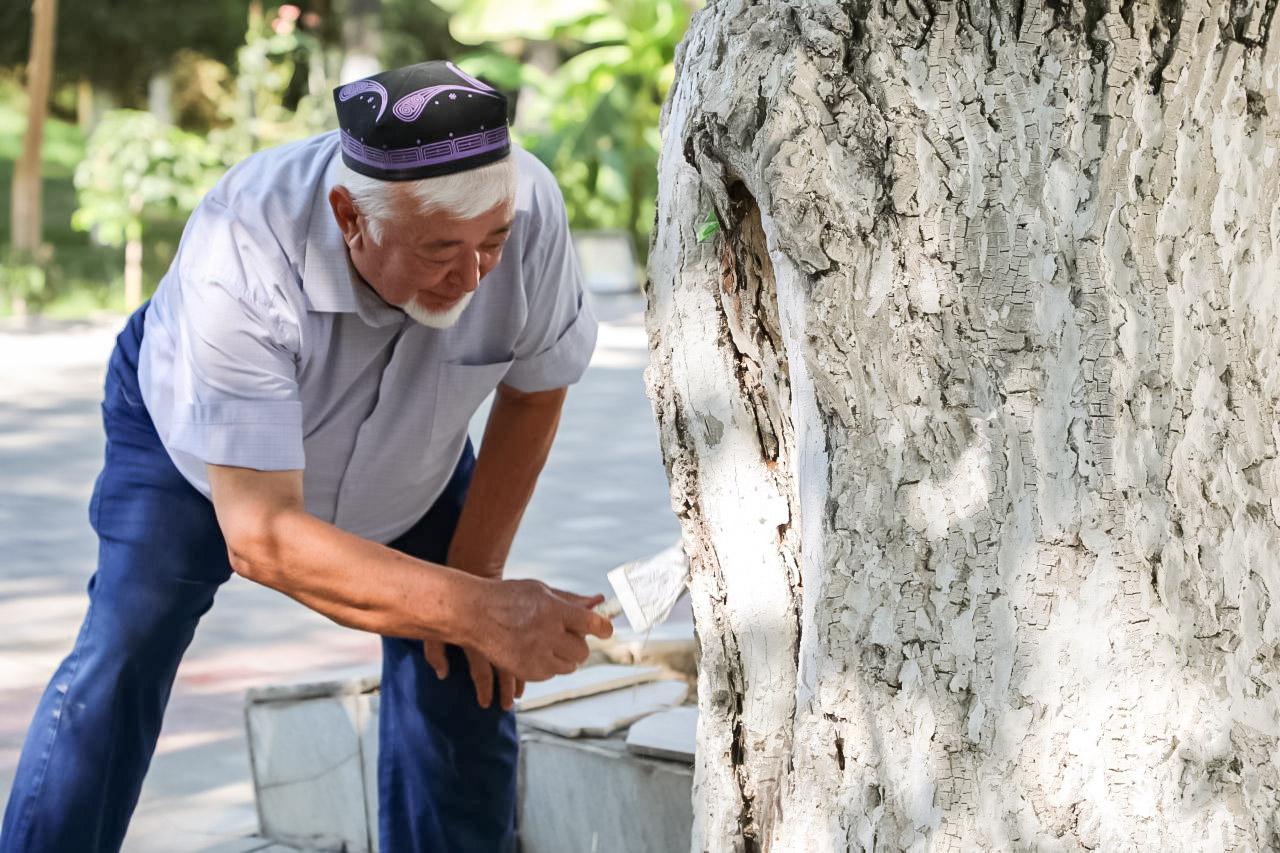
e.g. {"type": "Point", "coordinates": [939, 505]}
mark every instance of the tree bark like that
{"type": "Point", "coordinates": [160, 96]}
{"type": "Point", "coordinates": [26, 209]}
{"type": "Point", "coordinates": [361, 40]}
{"type": "Point", "coordinates": [970, 416]}
{"type": "Point", "coordinates": [132, 273]}
{"type": "Point", "coordinates": [86, 118]}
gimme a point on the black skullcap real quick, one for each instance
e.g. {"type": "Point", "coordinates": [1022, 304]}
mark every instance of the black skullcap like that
{"type": "Point", "coordinates": [421, 121]}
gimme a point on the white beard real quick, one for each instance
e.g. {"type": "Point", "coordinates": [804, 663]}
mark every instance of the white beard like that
{"type": "Point", "coordinates": [436, 319]}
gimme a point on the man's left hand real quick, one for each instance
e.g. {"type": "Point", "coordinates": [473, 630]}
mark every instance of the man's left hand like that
{"type": "Point", "coordinates": [483, 675]}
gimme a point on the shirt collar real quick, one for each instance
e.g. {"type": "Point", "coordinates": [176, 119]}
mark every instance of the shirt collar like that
{"type": "Point", "coordinates": [329, 281]}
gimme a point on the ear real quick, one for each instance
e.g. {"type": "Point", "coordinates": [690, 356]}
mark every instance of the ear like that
{"type": "Point", "coordinates": [347, 215]}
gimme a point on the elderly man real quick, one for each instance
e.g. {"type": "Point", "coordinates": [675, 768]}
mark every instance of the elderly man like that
{"type": "Point", "coordinates": [292, 406]}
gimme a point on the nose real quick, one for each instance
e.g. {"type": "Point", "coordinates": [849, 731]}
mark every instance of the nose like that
{"type": "Point", "coordinates": [465, 275]}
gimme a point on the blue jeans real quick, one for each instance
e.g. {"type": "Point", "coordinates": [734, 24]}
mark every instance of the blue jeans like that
{"type": "Point", "coordinates": [446, 767]}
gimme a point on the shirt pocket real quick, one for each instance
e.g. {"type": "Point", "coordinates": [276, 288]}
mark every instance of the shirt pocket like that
{"type": "Point", "coordinates": [459, 393]}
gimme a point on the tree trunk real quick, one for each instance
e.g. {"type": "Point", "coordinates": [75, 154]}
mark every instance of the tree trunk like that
{"type": "Point", "coordinates": [531, 105]}
{"type": "Point", "coordinates": [132, 273]}
{"type": "Point", "coordinates": [970, 416]}
{"type": "Point", "coordinates": [361, 40]}
{"type": "Point", "coordinates": [160, 96]}
{"type": "Point", "coordinates": [85, 116]}
{"type": "Point", "coordinates": [26, 209]}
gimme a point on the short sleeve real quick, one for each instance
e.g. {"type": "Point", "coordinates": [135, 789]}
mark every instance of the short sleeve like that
{"type": "Point", "coordinates": [555, 346]}
{"type": "Point", "coordinates": [235, 386]}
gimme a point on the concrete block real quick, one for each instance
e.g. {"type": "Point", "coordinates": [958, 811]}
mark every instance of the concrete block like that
{"type": "Point", "coordinates": [592, 796]}
{"type": "Point", "coordinates": [314, 750]}
{"type": "Point", "coordinates": [305, 749]}
{"type": "Point", "coordinates": [369, 757]}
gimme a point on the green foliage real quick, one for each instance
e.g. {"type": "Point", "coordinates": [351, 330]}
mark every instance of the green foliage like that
{"type": "Point", "coordinates": [24, 276]}
{"type": "Point", "coordinates": [63, 143]}
{"type": "Point", "coordinates": [414, 31]}
{"type": "Point", "coordinates": [120, 44]}
{"type": "Point", "coordinates": [709, 226]}
{"type": "Point", "coordinates": [283, 84]}
{"type": "Point", "coordinates": [604, 104]}
{"type": "Point", "coordinates": [69, 263]}
{"type": "Point", "coordinates": [478, 22]}
{"type": "Point", "coordinates": [590, 76]}
{"type": "Point", "coordinates": [203, 92]}
{"type": "Point", "coordinates": [505, 73]}
{"type": "Point", "coordinates": [134, 166]}
{"type": "Point", "coordinates": [595, 120]}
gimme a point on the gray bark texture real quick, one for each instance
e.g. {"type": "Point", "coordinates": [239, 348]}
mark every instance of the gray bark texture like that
{"type": "Point", "coordinates": [970, 416]}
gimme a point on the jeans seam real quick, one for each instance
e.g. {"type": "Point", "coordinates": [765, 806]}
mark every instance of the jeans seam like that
{"type": "Point", "coordinates": [73, 669]}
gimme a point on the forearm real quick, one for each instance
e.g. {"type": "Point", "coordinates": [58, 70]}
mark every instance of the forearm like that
{"type": "Point", "coordinates": [517, 440]}
{"type": "Point", "coordinates": [358, 583]}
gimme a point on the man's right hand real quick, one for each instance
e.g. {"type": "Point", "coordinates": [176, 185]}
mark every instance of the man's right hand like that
{"type": "Point", "coordinates": [534, 631]}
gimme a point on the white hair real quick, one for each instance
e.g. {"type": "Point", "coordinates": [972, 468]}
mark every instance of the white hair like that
{"type": "Point", "coordinates": [462, 195]}
{"type": "Point", "coordinates": [437, 319]}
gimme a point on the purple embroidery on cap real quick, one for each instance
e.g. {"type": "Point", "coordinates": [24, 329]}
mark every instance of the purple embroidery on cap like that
{"type": "Point", "coordinates": [481, 87]}
{"type": "Point", "coordinates": [359, 87]}
{"type": "Point", "coordinates": [409, 107]}
{"type": "Point", "coordinates": [444, 151]}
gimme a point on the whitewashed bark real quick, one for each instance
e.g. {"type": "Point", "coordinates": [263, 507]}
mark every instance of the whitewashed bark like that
{"type": "Point", "coordinates": [971, 418]}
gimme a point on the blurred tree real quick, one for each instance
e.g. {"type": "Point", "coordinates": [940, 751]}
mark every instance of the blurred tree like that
{"type": "Point", "coordinates": [361, 39]}
{"type": "Point", "coordinates": [94, 36]}
{"type": "Point", "coordinates": [285, 72]}
{"type": "Point", "coordinates": [136, 167]}
{"type": "Point", "coordinates": [203, 91]}
{"type": "Point", "coordinates": [413, 31]}
{"type": "Point", "coordinates": [600, 130]}
{"type": "Point", "coordinates": [27, 212]}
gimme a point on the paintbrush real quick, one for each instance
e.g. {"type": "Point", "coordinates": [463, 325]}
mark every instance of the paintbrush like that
{"type": "Point", "coordinates": [647, 589]}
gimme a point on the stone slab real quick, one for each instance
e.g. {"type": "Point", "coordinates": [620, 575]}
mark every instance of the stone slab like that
{"type": "Point", "coordinates": [340, 682]}
{"type": "Point", "coordinates": [587, 681]}
{"type": "Point", "coordinates": [669, 734]}
{"type": "Point", "coordinates": [248, 844]}
{"type": "Point", "coordinates": [606, 713]}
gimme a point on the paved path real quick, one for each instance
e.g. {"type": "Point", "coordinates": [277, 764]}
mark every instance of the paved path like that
{"type": "Point", "coordinates": [602, 500]}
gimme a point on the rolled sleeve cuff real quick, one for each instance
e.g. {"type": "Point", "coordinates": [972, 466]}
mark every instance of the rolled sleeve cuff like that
{"type": "Point", "coordinates": [560, 365]}
{"type": "Point", "coordinates": [266, 436]}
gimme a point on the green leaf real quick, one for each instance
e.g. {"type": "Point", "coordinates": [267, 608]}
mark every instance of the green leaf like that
{"type": "Point", "coordinates": [135, 166]}
{"type": "Point", "coordinates": [709, 226]}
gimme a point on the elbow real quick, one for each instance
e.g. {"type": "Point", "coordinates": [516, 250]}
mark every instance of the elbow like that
{"type": "Point", "coordinates": [238, 555]}
{"type": "Point", "coordinates": [254, 550]}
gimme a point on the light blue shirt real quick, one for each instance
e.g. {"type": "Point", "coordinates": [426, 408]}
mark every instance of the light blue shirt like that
{"type": "Point", "coordinates": [264, 349]}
